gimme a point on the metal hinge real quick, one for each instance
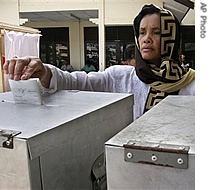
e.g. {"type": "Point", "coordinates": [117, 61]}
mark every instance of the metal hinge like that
{"type": "Point", "coordinates": [167, 155]}
{"type": "Point", "coordinates": [6, 138]}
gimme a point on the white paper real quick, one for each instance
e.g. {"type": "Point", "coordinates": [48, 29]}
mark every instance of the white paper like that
{"type": "Point", "coordinates": [27, 91]}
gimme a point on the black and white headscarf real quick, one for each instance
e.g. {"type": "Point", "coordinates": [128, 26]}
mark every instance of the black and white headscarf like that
{"type": "Point", "coordinates": [169, 77]}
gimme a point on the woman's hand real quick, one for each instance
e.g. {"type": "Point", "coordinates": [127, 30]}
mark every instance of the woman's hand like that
{"type": "Point", "coordinates": [27, 67]}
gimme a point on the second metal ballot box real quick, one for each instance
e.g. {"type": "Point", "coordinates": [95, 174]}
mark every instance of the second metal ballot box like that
{"type": "Point", "coordinates": [156, 151]}
{"type": "Point", "coordinates": [53, 146]}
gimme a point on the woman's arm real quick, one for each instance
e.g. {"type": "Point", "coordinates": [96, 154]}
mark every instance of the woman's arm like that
{"type": "Point", "coordinates": [78, 80]}
{"type": "Point", "coordinates": [114, 79]}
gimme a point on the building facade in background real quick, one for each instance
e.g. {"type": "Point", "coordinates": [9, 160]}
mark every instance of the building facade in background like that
{"type": "Point", "coordinates": [91, 29]}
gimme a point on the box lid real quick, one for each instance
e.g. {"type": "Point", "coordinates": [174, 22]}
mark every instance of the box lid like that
{"type": "Point", "coordinates": [170, 122]}
{"type": "Point", "coordinates": [36, 122]}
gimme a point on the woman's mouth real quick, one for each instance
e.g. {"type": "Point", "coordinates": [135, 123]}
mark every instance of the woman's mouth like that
{"type": "Point", "coordinates": [147, 49]}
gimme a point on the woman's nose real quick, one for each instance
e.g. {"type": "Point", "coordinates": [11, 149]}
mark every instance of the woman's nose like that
{"type": "Point", "coordinates": [147, 38]}
{"type": "Point", "coordinates": [147, 41]}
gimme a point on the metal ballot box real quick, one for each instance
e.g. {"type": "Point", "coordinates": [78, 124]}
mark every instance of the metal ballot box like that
{"type": "Point", "coordinates": [53, 146]}
{"type": "Point", "coordinates": [156, 151]}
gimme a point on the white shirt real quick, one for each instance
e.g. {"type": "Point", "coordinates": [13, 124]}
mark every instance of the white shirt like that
{"type": "Point", "coordinates": [118, 79]}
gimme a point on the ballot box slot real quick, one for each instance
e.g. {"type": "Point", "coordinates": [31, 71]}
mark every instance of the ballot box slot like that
{"type": "Point", "coordinates": [160, 154]}
{"type": "Point", "coordinates": [6, 138]}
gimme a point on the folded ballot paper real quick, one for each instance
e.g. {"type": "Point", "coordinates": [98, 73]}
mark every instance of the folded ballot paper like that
{"type": "Point", "coordinates": [27, 91]}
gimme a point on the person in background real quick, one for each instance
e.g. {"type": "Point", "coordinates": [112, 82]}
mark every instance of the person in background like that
{"type": "Point", "coordinates": [89, 66]}
{"type": "Point", "coordinates": [66, 66]}
{"type": "Point", "coordinates": [185, 64]}
{"type": "Point", "coordinates": [129, 55]}
{"type": "Point", "coordinates": [182, 60]}
{"type": "Point", "coordinates": [156, 75]}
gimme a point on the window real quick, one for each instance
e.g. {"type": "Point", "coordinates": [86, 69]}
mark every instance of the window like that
{"type": "Point", "coordinates": [54, 45]}
{"type": "Point", "coordinates": [117, 38]}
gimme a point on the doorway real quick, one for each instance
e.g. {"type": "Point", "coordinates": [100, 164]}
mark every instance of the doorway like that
{"type": "Point", "coordinates": [54, 45]}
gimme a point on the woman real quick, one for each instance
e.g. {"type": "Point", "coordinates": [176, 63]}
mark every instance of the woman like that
{"type": "Point", "coordinates": [156, 75]}
{"type": "Point", "coordinates": [159, 67]}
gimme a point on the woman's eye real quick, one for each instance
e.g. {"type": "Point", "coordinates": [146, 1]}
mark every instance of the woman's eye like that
{"type": "Point", "coordinates": [157, 32]}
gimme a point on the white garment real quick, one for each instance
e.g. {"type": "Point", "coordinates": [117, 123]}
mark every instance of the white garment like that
{"type": "Point", "coordinates": [118, 79]}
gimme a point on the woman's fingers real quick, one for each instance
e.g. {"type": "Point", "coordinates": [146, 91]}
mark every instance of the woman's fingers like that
{"type": "Point", "coordinates": [20, 67]}
{"type": "Point", "coordinates": [9, 67]}
{"type": "Point", "coordinates": [30, 69]}
{"type": "Point", "coordinates": [17, 68]}
{"type": "Point", "coordinates": [25, 68]}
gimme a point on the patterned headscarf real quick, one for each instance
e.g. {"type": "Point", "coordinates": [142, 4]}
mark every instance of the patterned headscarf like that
{"type": "Point", "coordinates": [169, 77]}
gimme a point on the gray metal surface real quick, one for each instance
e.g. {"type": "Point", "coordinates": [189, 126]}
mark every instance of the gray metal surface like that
{"type": "Point", "coordinates": [10, 169]}
{"type": "Point", "coordinates": [59, 140]}
{"type": "Point", "coordinates": [171, 122]}
{"type": "Point", "coordinates": [58, 108]}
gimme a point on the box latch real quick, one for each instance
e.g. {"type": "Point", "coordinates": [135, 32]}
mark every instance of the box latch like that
{"type": "Point", "coordinates": [6, 138]}
{"type": "Point", "coordinates": [168, 155]}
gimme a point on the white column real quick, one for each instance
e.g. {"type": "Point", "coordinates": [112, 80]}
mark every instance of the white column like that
{"type": "Point", "coordinates": [101, 35]}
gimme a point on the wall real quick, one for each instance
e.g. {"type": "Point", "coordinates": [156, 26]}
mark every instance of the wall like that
{"type": "Point", "coordinates": [189, 19]}
{"type": "Point", "coordinates": [53, 5]}
{"type": "Point", "coordinates": [121, 12]}
{"type": "Point", "coordinates": [9, 11]}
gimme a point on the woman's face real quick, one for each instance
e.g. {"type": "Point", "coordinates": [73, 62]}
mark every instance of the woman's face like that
{"type": "Point", "coordinates": [149, 38]}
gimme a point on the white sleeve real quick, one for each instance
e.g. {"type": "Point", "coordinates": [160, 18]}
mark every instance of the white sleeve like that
{"type": "Point", "coordinates": [78, 80]}
{"type": "Point", "coordinates": [116, 78]}
{"type": "Point", "coordinates": [189, 89]}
